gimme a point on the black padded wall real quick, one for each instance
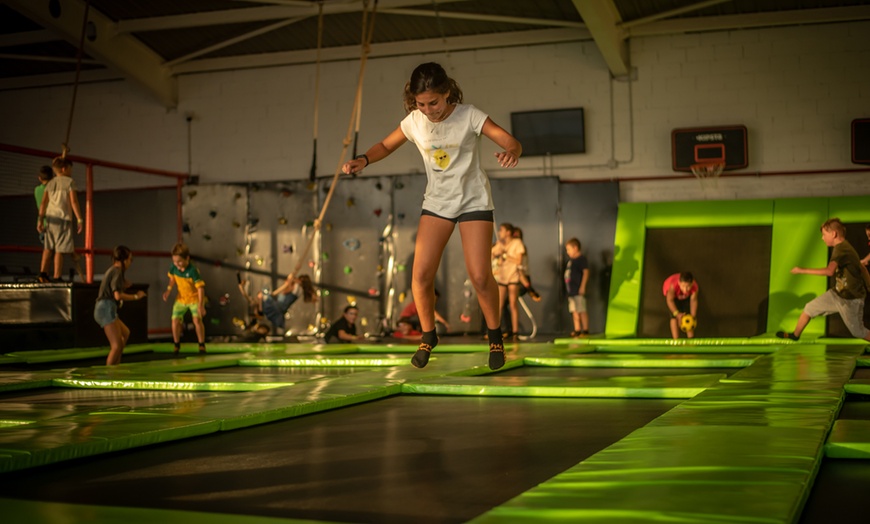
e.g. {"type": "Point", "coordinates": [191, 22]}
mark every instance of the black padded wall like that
{"type": "Point", "coordinates": [731, 266]}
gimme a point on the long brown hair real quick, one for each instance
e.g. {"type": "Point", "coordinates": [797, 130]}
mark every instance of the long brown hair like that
{"type": "Point", "coordinates": [430, 77]}
{"type": "Point", "coordinates": [309, 294]}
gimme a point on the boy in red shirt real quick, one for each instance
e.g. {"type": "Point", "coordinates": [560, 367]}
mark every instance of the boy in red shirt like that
{"type": "Point", "coordinates": [681, 296]}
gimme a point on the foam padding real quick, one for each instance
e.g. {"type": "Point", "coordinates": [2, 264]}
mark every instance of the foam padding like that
{"type": "Point", "coordinates": [683, 386]}
{"type": "Point", "coordinates": [703, 345]}
{"type": "Point", "coordinates": [625, 282]}
{"type": "Point", "coordinates": [655, 360]}
{"type": "Point", "coordinates": [177, 382]}
{"type": "Point", "coordinates": [863, 362]}
{"type": "Point", "coordinates": [192, 348]}
{"type": "Point", "coordinates": [411, 348]}
{"type": "Point", "coordinates": [321, 361]}
{"type": "Point", "coordinates": [859, 386]}
{"type": "Point", "coordinates": [18, 381]}
{"type": "Point", "coordinates": [260, 407]}
{"type": "Point", "coordinates": [742, 451]}
{"type": "Point", "coordinates": [849, 439]}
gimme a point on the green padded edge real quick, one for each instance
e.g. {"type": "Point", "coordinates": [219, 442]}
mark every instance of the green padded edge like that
{"type": "Point", "coordinates": [863, 362]}
{"type": "Point", "coordinates": [178, 383]}
{"type": "Point", "coordinates": [681, 386]}
{"type": "Point", "coordinates": [6, 359]}
{"type": "Point", "coordinates": [37, 512]}
{"type": "Point", "coordinates": [735, 453]}
{"type": "Point", "coordinates": [411, 348]}
{"type": "Point", "coordinates": [325, 362]}
{"type": "Point", "coordinates": [850, 209]}
{"type": "Point", "coordinates": [765, 344]}
{"type": "Point", "coordinates": [627, 272]}
{"type": "Point", "coordinates": [60, 355]}
{"type": "Point", "coordinates": [643, 361]}
{"type": "Point", "coordinates": [849, 439]}
{"type": "Point", "coordinates": [19, 384]}
{"type": "Point", "coordinates": [707, 213]}
{"type": "Point", "coordinates": [860, 386]}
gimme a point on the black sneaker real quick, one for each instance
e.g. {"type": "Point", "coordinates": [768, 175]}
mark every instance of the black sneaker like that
{"type": "Point", "coordinates": [790, 336]}
{"type": "Point", "coordinates": [421, 357]}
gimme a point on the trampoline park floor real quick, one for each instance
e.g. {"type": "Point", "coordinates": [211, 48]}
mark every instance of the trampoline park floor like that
{"type": "Point", "coordinates": [592, 430]}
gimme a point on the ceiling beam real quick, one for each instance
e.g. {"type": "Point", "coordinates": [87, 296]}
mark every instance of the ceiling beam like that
{"type": "Point", "coordinates": [415, 47]}
{"type": "Point", "coordinates": [58, 79]}
{"type": "Point", "coordinates": [602, 18]}
{"type": "Point", "coordinates": [484, 18]}
{"type": "Point", "coordinates": [769, 19]}
{"type": "Point", "coordinates": [123, 53]}
{"type": "Point", "coordinates": [253, 14]}
{"type": "Point", "coordinates": [27, 37]}
{"type": "Point", "coordinates": [672, 13]}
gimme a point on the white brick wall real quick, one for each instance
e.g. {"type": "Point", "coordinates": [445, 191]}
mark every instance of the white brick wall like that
{"type": "Point", "coordinates": [795, 88]}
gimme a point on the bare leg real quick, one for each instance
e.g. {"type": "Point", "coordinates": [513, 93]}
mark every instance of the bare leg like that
{"type": "Point", "coordinates": [432, 236]}
{"type": "Point", "coordinates": [513, 295]}
{"type": "Point", "coordinates": [177, 328]}
{"type": "Point", "coordinates": [675, 329]}
{"type": "Point", "coordinates": [584, 321]}
{"type": "Point", "coordinates": [58, 265]}
{"type": "Point", "coordinates": [46, 260]}
{"type": "Point", "coordinates": [801, 324]}
{"type": "Point", "coordinates": [200, 329]}
{"type": "Point", "coordinates": [476, 241]}
{"type": "Point", "coordinates": [117, 334]}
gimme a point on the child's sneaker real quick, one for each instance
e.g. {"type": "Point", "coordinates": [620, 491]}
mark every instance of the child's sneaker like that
{"type": "Point", "coordinates": [496, 356]}
{"type": "Point", "coordinates": [535, 295]}
{"type": "Point", "coordinates": [421, 357]}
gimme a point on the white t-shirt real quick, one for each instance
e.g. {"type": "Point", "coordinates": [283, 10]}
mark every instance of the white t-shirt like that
{"type": "Point", "coordinates": [457, 183]}
{"type": "Point", "coordinates": [58, 189]}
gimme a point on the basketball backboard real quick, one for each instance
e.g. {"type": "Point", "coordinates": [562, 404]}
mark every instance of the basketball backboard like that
{"type": "Point", "coordinates": [709, 145]}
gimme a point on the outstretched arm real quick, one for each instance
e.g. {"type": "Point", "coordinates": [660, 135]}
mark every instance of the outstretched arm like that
{"type": "Point", "coordinates": [377, 152]}
{"type": "Point", "coordinates": [512, 148]}
{"type": "Point", "coordinates": [824, 272]}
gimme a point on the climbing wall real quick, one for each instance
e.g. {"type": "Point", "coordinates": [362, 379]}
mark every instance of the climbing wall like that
{"type": "Point", "coordinates": [279, 226]}
{"type": "Point", "coordinates": [352, 232]}
{"type": "Point", "coordinates": [214, 229]}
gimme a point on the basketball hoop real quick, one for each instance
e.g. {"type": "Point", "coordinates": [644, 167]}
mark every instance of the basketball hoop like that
{"type": "Point", "coordinates": [708, 171]}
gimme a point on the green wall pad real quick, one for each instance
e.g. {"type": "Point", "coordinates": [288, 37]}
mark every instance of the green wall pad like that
{"type": "Point", "coordinates": [683, 386]}
{"type": "Point", "coordinates": [863, 362]}
{"type": "Point", "coordinates": [61, 355]}
{"type": "Point", "coordinates": [56, 512]}
{"type": "Point", "coordinates": [654, 360]}
{"type": "Point", "coordinates": [849, 439]}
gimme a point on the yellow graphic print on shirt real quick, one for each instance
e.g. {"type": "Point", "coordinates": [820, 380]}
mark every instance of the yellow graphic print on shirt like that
{"type": "Point", "coordinates": [440, 157]}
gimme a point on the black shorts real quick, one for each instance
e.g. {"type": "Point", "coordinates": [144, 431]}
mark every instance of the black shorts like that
{"type": "Point", "coordinates": [471, 216]}
{"type": "Point", "coordinates": [683, 305]}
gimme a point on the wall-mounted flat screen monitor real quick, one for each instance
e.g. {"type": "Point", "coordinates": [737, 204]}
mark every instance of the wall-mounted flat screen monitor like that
{"type": "Point", "coordinates": [551, 131]}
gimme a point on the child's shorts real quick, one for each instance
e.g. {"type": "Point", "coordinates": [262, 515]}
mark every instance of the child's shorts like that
{"type": "Point", "coordinates": [59, 236]}
{"type": "Point", "coordinates": [179, 309]}
{"type": "Point", "coordinates": [577, 304]}
{"type": "Point", "coordinates": [105, 312]}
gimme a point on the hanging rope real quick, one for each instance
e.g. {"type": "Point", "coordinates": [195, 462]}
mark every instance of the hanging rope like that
{"type": "Point", "coordinates": [366, 45]}
{"type": "Point", "coordinates": [312, 175]}
{"type": "Point", "coordinates": [79, 53]}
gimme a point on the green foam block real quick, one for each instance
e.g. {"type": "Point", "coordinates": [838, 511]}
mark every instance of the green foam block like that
{"type": "Point", "coordinates": [177, 382]}
{"type": "Point", "coordinates": [849, 439]}
{"type": "Point", "coordinates": [683, 386]}
{"type": "Point", "coordinates": [622, 360]}
{"type": "Point", "coordinates": [859, 386]}
{"type": "Point", "coordinates": [358, 361]}
{"type": "Point", "coordinates": [60, 355]}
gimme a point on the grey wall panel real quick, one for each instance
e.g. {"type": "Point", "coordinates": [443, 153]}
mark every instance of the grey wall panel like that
{"type": "Point", "coordinates": [532, 204]}
{"type": "Point", "coordinates": [589, 213]}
